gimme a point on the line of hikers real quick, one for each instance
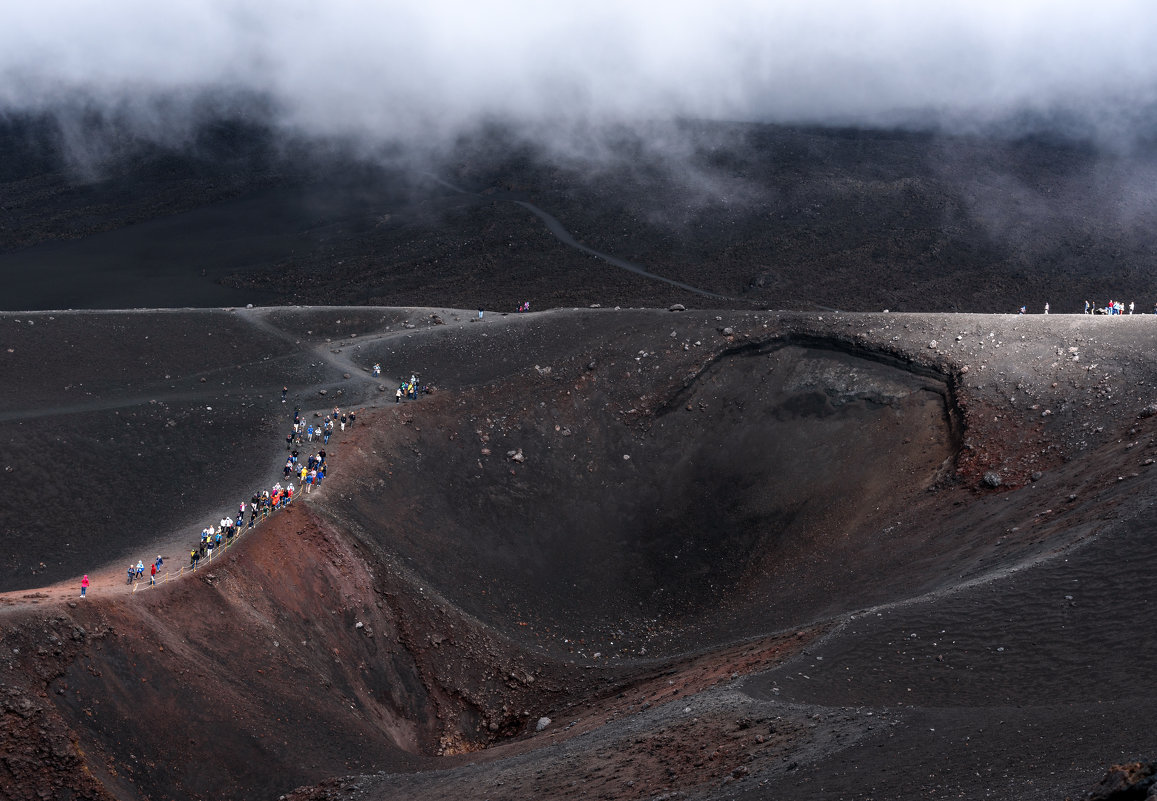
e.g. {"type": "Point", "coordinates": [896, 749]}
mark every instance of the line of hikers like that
{"type": "Point", "coordinates": [263, 503]}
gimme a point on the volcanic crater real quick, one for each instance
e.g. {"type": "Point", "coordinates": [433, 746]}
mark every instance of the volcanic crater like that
{"type": "Point", "coordinates": [629, 534]}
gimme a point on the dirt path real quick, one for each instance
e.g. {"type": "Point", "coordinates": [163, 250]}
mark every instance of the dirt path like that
{"type": "Point", "coordinates": [560, 233]}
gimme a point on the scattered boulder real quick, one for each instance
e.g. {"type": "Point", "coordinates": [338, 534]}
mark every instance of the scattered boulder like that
{"type": "Point", "coordinates": [676, 307]}
{"type": "Point", "coordinates": [323, 392]}
{"type": "Point", "coordinates": [992, 479]}
{"type": "Point", "coordinates": [1149, 410]}
{"type": "Point", "coordinates": [345, 375]}
{"type": "Point", "coordinates": [728, 331]}
{"type": "Point", "coordinates": [437, 320]}
{"type": "Point", "coordinates": [933, 345]}
{"type": "Point", "coordinates": [516, 456]}
{"type": "Point", "coordinates": [543, 722]}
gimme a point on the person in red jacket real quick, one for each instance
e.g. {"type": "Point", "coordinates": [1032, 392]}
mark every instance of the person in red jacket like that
{"type": "Point", "coordinates": [84, 585]}
{"type": "Point", "coordinates": [153, 573]}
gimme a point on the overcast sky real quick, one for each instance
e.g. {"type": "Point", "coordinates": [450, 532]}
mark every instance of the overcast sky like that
{"type": "Point", "coordinates": [403, 70]}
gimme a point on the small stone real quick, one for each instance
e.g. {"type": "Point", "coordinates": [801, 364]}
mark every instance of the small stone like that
{"type": "Point", "coordinates": [728, 331]}
{"type": "Point", "coordinates": [543, 722]}
{"type": "Point", "coordinates": [1037, 476]}
{"type": "Point", "coordinates": [676, 307]}
{"type": "Point", "coordinates": [933, 345]}
{"type": "Point", "coordinates": [992, 479]}
{"type": "Point", "coordinates": [323, 392]}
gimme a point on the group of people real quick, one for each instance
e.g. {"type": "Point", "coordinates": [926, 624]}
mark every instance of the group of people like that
{"type": "Point", "coordinates": [135, 572]}
{"type": "Point", "coordinates": [309, 474]}
{"type": "Point", "coordinates": [1112, 307]}
{"type": "Point", "coordinates": [410, 389]}
{"type": "Point", "coordinates": [263, 503]}
{"type": "Point", "coordinates": [260, 505]}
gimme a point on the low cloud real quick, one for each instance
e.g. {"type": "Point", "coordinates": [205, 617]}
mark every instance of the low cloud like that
{"type": "Point", "coordinates": [404, 73]}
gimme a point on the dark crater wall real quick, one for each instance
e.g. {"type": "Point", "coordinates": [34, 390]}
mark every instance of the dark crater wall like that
{"type": "Point", "coordinates": [754, 489]}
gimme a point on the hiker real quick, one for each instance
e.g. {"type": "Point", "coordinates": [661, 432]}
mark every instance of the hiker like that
{"type": "Point", "coordinates": [1046, 308]}
{"type": "Point", "coordinates": [193, 560]}
{"type": "Point", "coordinates": [377, 369]}
{"type": "Point", "coordinates": [84, 585]}
{"type": "Point", "coordinates": [160, 562]}
{"type": "Point", "coordinates": [352, 418]}
{"type": "Point", "coordinates": [284, 392]}
{"type": "Point", "coordinates": [343, 418]}
{"type": "Point", "coordinates": [309, 433]}
{"type": "Point", "coordinates": [132, 573]}
{"type": "Point", "coordinates": [140, 569]}
{"type": "Point", "coordinates": [480, 314]}
{"type": "Point", "coordinates": [1088, 312]}
{"type": "Point", "coordinates": [398, 394]}
{"type": "Point", "coordinates": [1022, 310]}
{"type": "Point", "coordinates": [153, 575]}
{"type": "Point", "coordinates": [1130, 307]}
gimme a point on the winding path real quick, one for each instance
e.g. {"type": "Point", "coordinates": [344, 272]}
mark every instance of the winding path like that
{"type": "Point", "coordinates": [562, 235]}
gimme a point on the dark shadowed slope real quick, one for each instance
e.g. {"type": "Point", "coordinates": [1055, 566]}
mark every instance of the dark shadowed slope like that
{"type": "Point", "coordinates": [768, 217]}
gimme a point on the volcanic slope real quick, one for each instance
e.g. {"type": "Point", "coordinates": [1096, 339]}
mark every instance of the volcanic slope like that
{"type": "Point", "coordinates": [725, 553]}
